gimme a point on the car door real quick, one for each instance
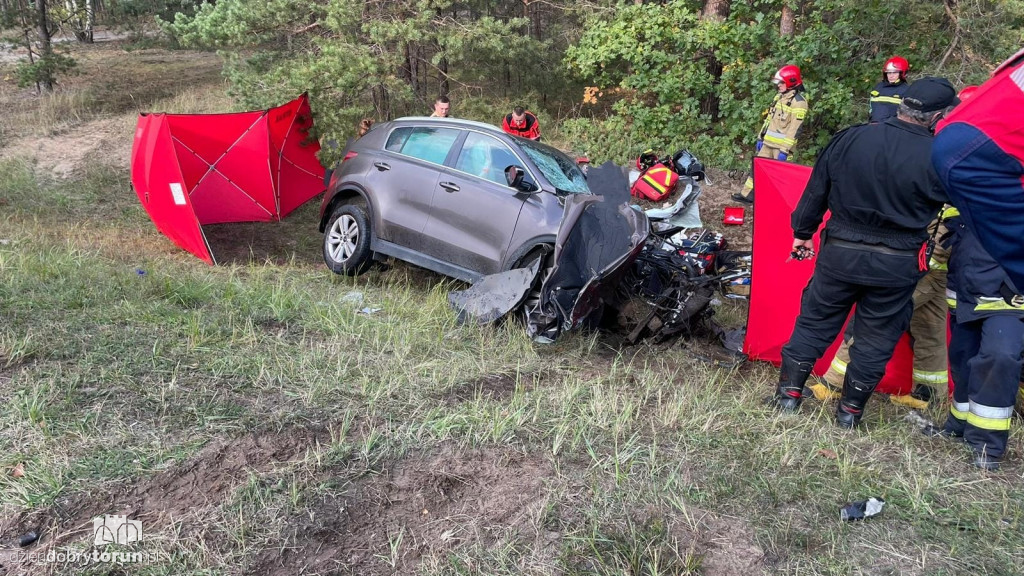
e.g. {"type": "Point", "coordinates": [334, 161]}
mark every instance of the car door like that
{"type": "Point", "coordinates": [403, 179]}
{"type": "Point", "coordinates": [474, 212]}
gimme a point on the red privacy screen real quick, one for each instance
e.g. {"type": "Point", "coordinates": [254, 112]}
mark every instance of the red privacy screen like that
{"type": "Point", "coordinates": [195, 169]}
{"type": "Point", "coordinates": [777, 285]}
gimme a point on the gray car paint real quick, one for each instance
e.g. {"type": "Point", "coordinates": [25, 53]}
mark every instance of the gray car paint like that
{"type": "Point", "coordinates": [479, 229]}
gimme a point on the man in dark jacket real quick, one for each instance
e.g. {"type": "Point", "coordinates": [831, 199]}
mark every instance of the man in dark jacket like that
{"type": "Point", "coordinates": [878, 182]}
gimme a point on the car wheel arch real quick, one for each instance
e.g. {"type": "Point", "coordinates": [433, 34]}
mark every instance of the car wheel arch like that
{"type": "Point", "coordinates": [521, 254]}
{"type": "Point", "coordinates": [348, 194]}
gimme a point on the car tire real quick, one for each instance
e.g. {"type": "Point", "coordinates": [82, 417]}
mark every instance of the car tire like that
{"type": "Point", "coordinates": [347, 240]}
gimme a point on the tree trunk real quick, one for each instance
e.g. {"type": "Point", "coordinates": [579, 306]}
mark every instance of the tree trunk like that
{"type": "Point", "coordinates": [443, 67]}
{"type": "Point", "coordinates": [716, 11]}
{"type": "Point", "coordinates": [90, 19]}
{"type": "Point", "coordinates": [45, 49]}
{"type": "Point", "coordinates": [787, 24]}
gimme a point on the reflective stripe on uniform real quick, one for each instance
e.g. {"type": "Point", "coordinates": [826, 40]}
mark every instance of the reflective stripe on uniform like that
{"type": "Point", "coordinates": [989, 417]}
{"type": "Point", "coordinates": [799, 113]}
{"type": "Point", "coordinates": [991, 303]}
{"type": "Point", "coordinates": [838, 366]}
{"type": "Point", "coordinates": [934, 264]}
{"type": "Point", "coordinates": [779, 140]}
{"type": "Point", "coordinates": [936, 377]}
{"type": "Point", "coordinates": [960, 410]}
{"type": "Point", "coordinates": [950, 212]}
{"type": "Point", "coordinates": [887, 99]}
{"type": "Point", "coordinates": [951, 298]}
{"type": "Point", "coordinates": [1018, 77]}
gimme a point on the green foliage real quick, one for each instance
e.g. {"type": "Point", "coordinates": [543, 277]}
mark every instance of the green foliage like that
{"type": "Point", "coordinates": [667, 77]}
{"type": "Point", "coordinates": [657, 55]}
{"type": "Point", "coordinates": [52, 66]}
{"type": "Point", "coordinates": [382, 61]}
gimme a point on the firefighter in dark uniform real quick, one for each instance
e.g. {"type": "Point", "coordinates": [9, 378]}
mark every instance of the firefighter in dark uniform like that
{"type": "Point", "coordinates": [885, 98]}
{"type": "Point", "coordinates": [985, 351]}
{"type": "Point", "coordinates": [878, 182]}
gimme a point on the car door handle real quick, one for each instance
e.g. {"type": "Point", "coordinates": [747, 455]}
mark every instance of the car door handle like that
{"type": "Point", "coordinates": [382, 166]}
{"type": "Point", "coordinates": [449, 186]}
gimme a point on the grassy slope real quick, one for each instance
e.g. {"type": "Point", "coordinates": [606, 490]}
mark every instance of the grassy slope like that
{"type": "Point", "coordinates": [116, 383]}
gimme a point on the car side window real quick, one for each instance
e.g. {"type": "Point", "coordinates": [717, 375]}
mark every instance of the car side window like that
{"type": "Point", "coordinates": [397, 139]}
{"type": "Point", "coordinates": [486, 158]}
{"type": "Point", "coordinates": [429, 144]}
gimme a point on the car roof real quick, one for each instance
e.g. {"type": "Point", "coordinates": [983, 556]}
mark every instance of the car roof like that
{"type": "Point", "coordinates": [451, 122]}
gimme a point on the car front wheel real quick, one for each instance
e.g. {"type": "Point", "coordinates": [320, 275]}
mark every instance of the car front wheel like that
{"type": "Point", "coordinates": [347, 240]}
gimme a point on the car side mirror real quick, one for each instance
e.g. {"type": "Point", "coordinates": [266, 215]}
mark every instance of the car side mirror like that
{"type": "Point", "coordinates": [515, 176]}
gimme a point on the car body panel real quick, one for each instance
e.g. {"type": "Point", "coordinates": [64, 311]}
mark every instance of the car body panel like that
{"type": "Point", "coordinates": [474, 225]}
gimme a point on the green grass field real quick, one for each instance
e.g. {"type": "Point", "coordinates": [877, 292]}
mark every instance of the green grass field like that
{"type": "Point", "coordinates": [257, 423]}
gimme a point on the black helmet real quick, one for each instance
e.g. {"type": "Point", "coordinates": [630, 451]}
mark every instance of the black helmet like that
{"type": "Point", "coordinates": [686, 164]}
{"type": "Point", "coordinates": [647, 159]}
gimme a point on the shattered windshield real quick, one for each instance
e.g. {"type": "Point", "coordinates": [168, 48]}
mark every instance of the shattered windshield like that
{"type": "Point", "coordinates": [558, 168]}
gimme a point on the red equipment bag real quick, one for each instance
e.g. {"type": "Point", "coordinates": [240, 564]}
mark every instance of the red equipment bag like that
{"type": "Point", "coordinates": [656, 183]}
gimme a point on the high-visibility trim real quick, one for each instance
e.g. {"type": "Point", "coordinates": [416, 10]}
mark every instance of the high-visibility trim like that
{"type": "Point", "coordinates": [887, 99]}
{"type": "Point", "coordinates": [1018, 77]}
{"type": "Point", "coordinates": [994, 412]}
{"type": "Point", "coordinates": [661, 187]}
{"type": "Point", "coordinates": [950, 212]}
{"type": "Point", "coordinates": [960, 410]}
{"type": "Point", "coordinates": [991, 304]}
{"type": "Point", "coordinates": [934, 264]}
{"type": "Point", "coordinates": [989, 417]}
{"type": "Point", "coordinates": [951, 298]}
{"type": "Point", "coordinates": [800, 113]}
{"type": "Point", "coordinates": [933, 377]}
{"type": "Point", "coordinates": [779, 140]}
{"type": "Point", "coordinates": [998, 424]}
{"type": "Point", "coordinates": [839, 366]}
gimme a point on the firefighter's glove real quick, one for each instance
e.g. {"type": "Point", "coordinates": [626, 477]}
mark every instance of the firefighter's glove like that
{"type": "Point", "coordinates": [760, 143]}
{"type": "Point", "coordinates": [783, 156]}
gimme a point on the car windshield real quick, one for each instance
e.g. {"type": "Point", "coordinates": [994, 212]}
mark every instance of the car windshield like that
{"type": "Point", "coordinates": [558, 168]}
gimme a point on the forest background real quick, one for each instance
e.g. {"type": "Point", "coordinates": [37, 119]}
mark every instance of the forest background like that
{"type": "Point", "coordinates": [608, 78]}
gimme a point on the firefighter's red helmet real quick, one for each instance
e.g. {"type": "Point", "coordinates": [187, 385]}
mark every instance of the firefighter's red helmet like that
{"type": "Point", "coordinates": [967, 92]}
{"type": "Point", "coordinates": [788, 75]}
{"type": "Point", "coordinates": [896, 64]}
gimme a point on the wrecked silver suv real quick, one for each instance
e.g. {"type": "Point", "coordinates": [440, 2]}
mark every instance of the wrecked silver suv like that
{"type": "Point", "coordinates": [460, 198]}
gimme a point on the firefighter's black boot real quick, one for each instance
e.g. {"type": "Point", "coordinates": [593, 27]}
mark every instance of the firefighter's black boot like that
{"type": "Point", "coordinates": [792, 377]}
{"type": "Point", "coordinates": [851, 405]}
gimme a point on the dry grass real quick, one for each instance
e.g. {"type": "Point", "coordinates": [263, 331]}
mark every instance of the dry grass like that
{"type": "Point", "coordinates": [259, 423]}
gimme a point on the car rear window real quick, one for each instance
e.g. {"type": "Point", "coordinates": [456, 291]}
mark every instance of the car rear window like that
{"type": "Point", "coordinates": [429, 144]}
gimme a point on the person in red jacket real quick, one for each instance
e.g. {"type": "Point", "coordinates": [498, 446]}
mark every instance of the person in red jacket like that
{"type": "Point", "coordinates": [979, 154]}
{"type": "Point", "coordinates": [522, 123]}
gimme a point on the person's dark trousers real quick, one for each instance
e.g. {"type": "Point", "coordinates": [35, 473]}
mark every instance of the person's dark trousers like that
{"type": "Point", "coordinates": [964, 343]}
{"type": "Point", "coordinates": [986, 355]}
{"type": "Point", "coordinates": [881, 317]}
